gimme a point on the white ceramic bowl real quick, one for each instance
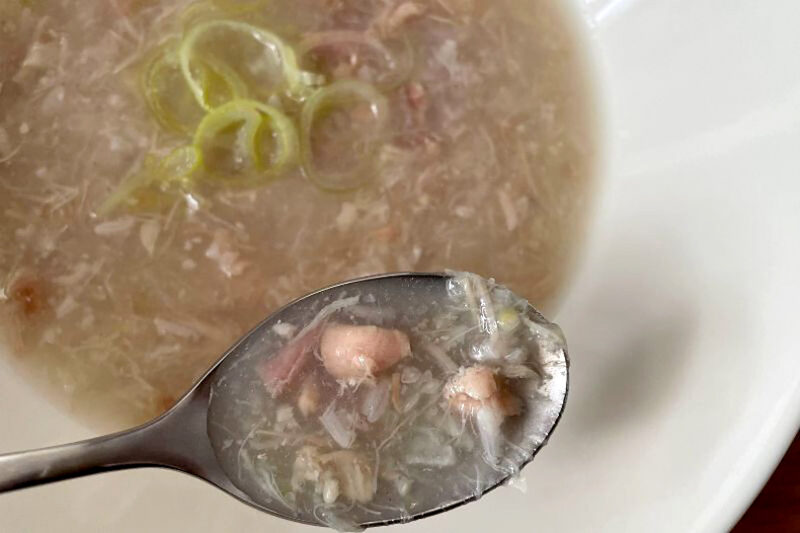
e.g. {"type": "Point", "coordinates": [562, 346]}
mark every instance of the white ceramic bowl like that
{"type": "Point", "coordinates": [682, 320]}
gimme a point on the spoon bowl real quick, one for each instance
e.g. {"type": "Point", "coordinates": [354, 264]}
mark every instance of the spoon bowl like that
{"type": "Point", "coordinates": [187, 437]}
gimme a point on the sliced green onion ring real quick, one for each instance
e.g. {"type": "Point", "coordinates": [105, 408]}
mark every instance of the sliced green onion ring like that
{"type": "Point", "coordinates": [167, 94]}
{"type": "Point", "coordinates": [198, 12]}
{"type": "Point", "coordinates": [157, 182]}
{"type": "Point", "coordinates": [180, 164]}
{"type": "Point", "coordinates": [291, 79]}
{"type": "Point", "coordinates": [336, 95]}
{"type": "Point", "coordinates": [246, 123]}
{"type": "Point", "coordinates": [239, 6]}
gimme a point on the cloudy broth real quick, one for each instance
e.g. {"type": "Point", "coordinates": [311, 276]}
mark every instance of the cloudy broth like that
{"type": "Point", "coordinates": [410, 136]}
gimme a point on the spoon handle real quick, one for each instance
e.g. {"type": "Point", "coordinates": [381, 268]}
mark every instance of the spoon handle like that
{"type": "Point", "coordinates": [120, 450]}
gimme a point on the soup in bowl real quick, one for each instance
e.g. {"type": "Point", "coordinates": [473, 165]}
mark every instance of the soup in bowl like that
{"type": "Point", "coordinates": [172, 172]}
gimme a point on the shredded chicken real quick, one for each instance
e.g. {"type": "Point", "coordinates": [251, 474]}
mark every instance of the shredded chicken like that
{"type": "Point", "coordinates": [309, 398]}
{"type": "Point", "coordinates": [394, 17]}
{"type": "Point", "coordinates": [333, 473]}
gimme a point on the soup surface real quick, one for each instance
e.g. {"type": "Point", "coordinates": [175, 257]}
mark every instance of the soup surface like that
{"type": "Point", "coordinates": [172, 172]}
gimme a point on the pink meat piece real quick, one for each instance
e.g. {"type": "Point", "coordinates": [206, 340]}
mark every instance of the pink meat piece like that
{"type": "Point", "coordinates": [358, 352]}
{"type": "Point", "coordinates": [281, 370]}
{"type": "Point", "coordinates": [477, 387]}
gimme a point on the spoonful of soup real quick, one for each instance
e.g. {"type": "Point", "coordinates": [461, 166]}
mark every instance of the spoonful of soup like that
{"type": "Point", "coordinates": [376, 401]}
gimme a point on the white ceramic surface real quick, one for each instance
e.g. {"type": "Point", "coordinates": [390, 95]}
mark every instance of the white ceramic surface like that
{"type": "Point", "coordinates": [682, 320]}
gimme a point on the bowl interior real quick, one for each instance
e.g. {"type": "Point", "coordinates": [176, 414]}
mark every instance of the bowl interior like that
{"type": "Point", "coordinates": [686, 383]}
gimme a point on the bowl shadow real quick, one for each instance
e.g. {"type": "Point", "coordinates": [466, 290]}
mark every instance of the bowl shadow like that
{"type": "Point", "coordinates": [630, 337]}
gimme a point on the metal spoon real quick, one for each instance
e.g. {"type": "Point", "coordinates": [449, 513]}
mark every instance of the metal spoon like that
{"type": "Point", "coordinates": [179, 439]}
